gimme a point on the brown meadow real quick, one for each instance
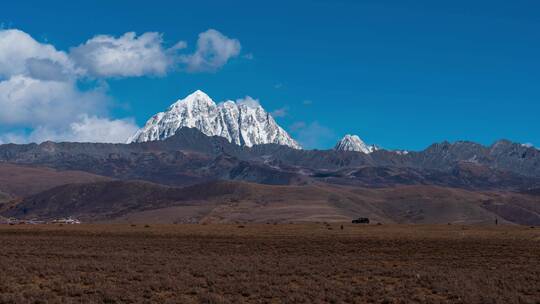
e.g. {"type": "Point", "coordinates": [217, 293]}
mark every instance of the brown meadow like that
{"type": "Point", "coordinates": [266, 263]}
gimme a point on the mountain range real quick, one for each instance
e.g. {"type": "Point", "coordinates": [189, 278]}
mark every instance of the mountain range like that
{"type": "Point", "coordinates": [205, 162]}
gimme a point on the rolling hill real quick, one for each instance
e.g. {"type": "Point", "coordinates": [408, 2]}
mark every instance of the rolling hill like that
{"type": "Point", "coordinates": [24, 180]}
{"type": "Point", "coordinates": [229, 201]}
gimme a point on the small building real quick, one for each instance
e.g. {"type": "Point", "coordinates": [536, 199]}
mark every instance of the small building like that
{"type": "Point", "coordinates": [67, 221]}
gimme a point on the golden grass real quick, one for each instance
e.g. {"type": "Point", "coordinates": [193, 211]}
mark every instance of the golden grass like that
{"type": "Point", "coordinates": [312, 263]}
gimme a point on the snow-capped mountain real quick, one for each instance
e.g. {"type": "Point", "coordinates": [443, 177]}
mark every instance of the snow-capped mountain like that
{"type": "Point", "coordinates": [244, 124]}
{"type": "Point", "coordinates": [354, 143]}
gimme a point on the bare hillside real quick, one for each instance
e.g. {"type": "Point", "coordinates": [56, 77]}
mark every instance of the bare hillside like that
{"type": "Point", "coordinates": [20, 180]}
{"type": "Point", "coordinates": [228, 201]}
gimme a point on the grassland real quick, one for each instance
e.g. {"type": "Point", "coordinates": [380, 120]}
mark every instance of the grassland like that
{"type": "Point", "coordinates": [312, 263]}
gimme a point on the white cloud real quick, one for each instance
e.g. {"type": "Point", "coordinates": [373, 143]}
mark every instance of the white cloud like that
{"type": "Point", "coordinates": [58, 111]}
{"type": "Point", "coordinates": [133, 56]}
{"type": "Point", "coordinates": [281, 112]}
{"type": "Point", "coordinates": [83, 129]}
{"type": "Point", "coordinates": [20, 54]}
{"type": "Point", "coordinates": [105, 56]}
{"type": "Point", "coordinates": [180, 45]}
{"type": "Point", "coordinates": [88, 129]}
{"type": "Point", "coordinates": [46, 69]}
{"type": "Point", "coordinates": [95, 129]}
{"type": "Point", "coordinates": [30, 102]}
{"type": "Point", "coordinates": [125, 56]}
{"type": "Point", "coordinates": [249, 101]}
{"type": "Point", "coordinates": [312, 135]}
{"type": "Point", "coordinates": [213, 51]}
{"type": "Point", "coordinates": [40, 98]}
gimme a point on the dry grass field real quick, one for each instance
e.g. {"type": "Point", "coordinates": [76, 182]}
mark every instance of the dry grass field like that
{"type": "Point", "coordinates": [286, 263]}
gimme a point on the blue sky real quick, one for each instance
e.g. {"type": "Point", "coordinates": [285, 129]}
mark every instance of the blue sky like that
{"type": "Point", "coordinates": [400, 75]}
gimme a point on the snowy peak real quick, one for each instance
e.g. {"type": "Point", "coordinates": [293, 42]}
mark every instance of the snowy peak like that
{"type": "Point", "coordinates": [244, 124]}
{"type": "Point", "coordinates": [197, 99]}
{"type": "Point", "coordinates": [354, 143]}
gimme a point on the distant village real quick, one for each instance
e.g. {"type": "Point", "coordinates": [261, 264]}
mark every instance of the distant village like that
{"type": "Point", "coordinates": [14, 221]}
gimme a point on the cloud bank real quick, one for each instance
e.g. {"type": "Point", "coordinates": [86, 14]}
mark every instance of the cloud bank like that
{"type": "Point", "coordinates": [20, 54]}
{"type": "Point", "coordinates": [40, 94]}
{"type": "Point", "coordinates": [126, 56]}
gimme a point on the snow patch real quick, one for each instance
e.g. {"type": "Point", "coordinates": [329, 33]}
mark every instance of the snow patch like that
{"type": "Point", "coordinates": [354, 143]}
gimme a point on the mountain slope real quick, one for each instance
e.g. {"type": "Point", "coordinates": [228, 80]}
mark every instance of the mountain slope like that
{"type": "Point", "coordinates": [354, 143]}
{"type": "Point", "coordinates": [4, 197]}
{"type": "Point", "coordinates": [99, 200]}
{"type": "Point", "coordinates": [240, 123]}
{"type": "Point", "coordinates": [120, 201]}
{"type": "Point", "coordinates": [502, 155]}
{"type": "Point", "coordinates": [190, 157]}
{"type": "Point", "coordinates": [20, 181]}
